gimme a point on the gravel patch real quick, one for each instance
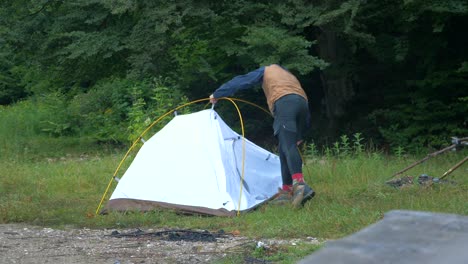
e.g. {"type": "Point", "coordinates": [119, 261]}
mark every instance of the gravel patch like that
{"type": "Point", "coordinates": [31, 244]}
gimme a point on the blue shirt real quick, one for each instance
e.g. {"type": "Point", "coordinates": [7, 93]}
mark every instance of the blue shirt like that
{"type": "Point", "coordinates": [240, 82]}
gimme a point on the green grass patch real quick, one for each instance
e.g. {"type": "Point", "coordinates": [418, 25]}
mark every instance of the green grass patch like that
{"type": "Point", "coordinates": [65, 190]}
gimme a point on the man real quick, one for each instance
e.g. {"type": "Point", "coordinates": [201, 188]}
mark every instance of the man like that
{"type": "Point", "coordinates": [287, 102]}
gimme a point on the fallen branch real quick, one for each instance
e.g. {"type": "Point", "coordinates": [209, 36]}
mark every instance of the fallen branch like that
{"type": "Point", "coordinates": [426, 158]}
{"type": "Point", "coordinates": [454, 167]}
{"type": "Point", "coordinates": [455, 143]}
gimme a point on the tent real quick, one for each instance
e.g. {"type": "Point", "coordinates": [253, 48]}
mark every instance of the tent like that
{"type": "Point", "coordinates": [196, 164]}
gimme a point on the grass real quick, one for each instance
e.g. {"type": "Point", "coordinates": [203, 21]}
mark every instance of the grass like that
{"type": "Point", "coordinates": [59, 182]}
{"type": "Point", "coordinates": [48, 190]}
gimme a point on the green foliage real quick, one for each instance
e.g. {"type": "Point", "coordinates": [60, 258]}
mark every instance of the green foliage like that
{"type": "Point", "coordinates": [311, 151]}
{"type": "Point", "coordinates": [358, 144]}
{"type": "Point", "coordinates": [18, 123]}
{"type": "Point", "coordinates": [30, 130]}
{"type": "Point", "coordinates": [56, 121]}
{"type": "Point", "coordinates": [10, 91]}
{"type": "Point", "coordinates": [463, 68]}
{"type": "Point", "coordinates": [45, 114]}
{"type": "Point", "coordinates": [163, 99]}
{"type": "Point", "coordinates": [389, 66]}
{"type": "Point", "coordinates": [114, 110]}
{"type": "Point", "coordinates": [418, 104]}
{"type": "Point", "coordinates": [102, 112]}
{"type": "Point", "coordinates": [410, 123]}
{"type": "Point", "coordinates": [136, 114]}
{"type": "Point", "coordinates": [346, 147]}
{"type": "Point", "coordinates": [120, 110]}
{"type": "Point", "coordinates": [267, 45]}
{"type": "Point", "coordinates": [399, 152]}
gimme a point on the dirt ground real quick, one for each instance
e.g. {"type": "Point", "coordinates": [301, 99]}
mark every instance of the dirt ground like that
{"type": "Point", "coordinates": [29, 244]}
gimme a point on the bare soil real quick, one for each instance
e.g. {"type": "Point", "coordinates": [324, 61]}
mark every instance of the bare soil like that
{"type": "Point", "coordinates": [31, 244]}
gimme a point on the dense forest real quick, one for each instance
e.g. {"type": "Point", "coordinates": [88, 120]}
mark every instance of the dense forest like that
{"type": "Point", "coordinates": [395, 71]}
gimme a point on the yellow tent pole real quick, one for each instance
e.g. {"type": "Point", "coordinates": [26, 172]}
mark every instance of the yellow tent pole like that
{"type": "Point", "coordinates": [250, 103]}
{"type": "Point", "coordinates": [243, 152]}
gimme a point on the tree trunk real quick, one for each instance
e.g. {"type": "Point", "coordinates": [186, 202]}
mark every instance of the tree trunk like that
{"type": "Point", "coordinates": [337, 86]}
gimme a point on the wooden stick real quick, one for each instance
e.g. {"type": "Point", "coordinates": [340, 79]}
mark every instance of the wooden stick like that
{"type": "Point", "coordinates": [426, 158]}
{"type": "Point", "coordinates": [454, 167]}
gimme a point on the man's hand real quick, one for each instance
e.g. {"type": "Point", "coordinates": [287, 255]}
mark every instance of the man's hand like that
{"type": "Point", "coordinates": [213, 100]}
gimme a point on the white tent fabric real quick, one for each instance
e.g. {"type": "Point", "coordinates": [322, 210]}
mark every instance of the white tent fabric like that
{"type": "Point", "coordinates": [195, 164]}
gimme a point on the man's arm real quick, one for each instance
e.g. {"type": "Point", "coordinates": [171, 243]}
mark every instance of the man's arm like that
{"type": "Point", "coordinates": [240, 82]}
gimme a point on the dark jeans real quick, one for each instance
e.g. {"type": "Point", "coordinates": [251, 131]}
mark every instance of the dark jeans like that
{"type": "Point", "coordinates": [291, 119]}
